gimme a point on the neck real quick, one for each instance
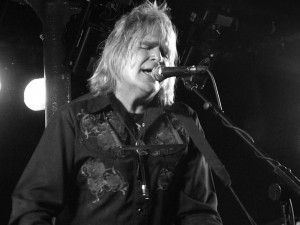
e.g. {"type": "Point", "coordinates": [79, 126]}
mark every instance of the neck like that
{"type": "Point", "coordinates": [133, 104]}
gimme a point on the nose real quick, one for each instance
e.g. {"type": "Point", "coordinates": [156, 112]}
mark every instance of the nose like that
{"type": "Point", "coordinates": [155, 54]}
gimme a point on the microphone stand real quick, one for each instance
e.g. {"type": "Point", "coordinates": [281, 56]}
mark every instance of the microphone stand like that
{"type": "Point", "coordinates": [289, 182]}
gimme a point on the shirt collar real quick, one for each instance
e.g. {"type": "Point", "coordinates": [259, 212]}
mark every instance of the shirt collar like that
{"type": "Point", "coordinates": [98, 103]}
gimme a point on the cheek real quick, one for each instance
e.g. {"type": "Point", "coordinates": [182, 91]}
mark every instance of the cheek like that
{"type": "Point", "coordinates": [133, 64]}
{"type": "Point", "coordinates": [138, 58]}
{"type": "Point", "coordinates": [128, 66]}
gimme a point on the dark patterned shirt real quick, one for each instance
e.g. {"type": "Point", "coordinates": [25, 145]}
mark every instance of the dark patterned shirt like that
{"type": "Point", "coordinates": [96, 164]}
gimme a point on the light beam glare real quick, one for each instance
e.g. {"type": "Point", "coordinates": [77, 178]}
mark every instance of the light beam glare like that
{"type": "Point", "coordinates": [35, 94]}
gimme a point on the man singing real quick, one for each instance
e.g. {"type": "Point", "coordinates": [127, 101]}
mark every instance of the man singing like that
{"type": "Point", "coordinates": [120, 155]}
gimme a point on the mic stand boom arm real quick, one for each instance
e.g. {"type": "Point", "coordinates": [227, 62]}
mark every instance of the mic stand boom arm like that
{"type": "Point", "coordinates": [284, 174]}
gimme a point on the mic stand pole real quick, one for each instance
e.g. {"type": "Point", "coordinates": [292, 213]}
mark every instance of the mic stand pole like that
{"type": "Point", "coordinates": [286, 178]}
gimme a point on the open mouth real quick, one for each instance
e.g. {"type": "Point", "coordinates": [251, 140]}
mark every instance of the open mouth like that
{"type": "Point", "coordinates": [147, 72]}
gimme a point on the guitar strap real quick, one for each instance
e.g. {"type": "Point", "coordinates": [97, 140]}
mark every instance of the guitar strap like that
{"type": "Point", "coordinates": [203, 146]}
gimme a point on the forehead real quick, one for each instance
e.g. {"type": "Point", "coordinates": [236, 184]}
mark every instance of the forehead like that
{"type": "Point", "coordinates": [155, 39]}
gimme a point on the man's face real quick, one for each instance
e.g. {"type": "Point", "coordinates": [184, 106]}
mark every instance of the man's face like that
{"type": "Point", "coordinates": [136, 75]}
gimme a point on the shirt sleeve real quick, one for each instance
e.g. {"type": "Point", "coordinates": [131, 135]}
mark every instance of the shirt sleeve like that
{"type": "Point", "coordinates": [198, 199]}
{"type": "Point", "coordinates": [40, 192]}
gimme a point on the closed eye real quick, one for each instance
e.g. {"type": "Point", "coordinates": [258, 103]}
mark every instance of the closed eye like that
{"type": "Point", "coordinates": [148, 45]}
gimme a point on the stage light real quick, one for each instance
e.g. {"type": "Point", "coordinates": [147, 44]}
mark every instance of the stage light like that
{"type": "Point", "coordinates": [35, 94]}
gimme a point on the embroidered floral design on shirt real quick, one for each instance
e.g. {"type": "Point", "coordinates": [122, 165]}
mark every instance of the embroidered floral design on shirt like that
{"type": "Point", "coordinates": [164, 179]}
{"type": "Point", "coordinates": [179, 128]}
{"type": "Point", "coordinates": [99, 127]}
{"type": "Point", "coordinates": [167, 133]}
{"type": "Point", "coordinates": [163, 134]}
{"type": "Point", "coordinates": [101, 179]}
{"type": "Point", "coordinates": [91, 125]}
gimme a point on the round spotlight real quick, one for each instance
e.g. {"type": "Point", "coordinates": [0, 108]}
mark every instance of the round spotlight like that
{"type": "Point", "coordinates": [35, 94]}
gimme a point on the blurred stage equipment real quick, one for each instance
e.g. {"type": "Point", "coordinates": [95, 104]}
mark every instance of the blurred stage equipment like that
{"type": "Point", "coordinates": [202, 34]}
{"type": "Point", "coordinates": [83, 37]}
{"type": "Point", "coordinates": [288, 184]}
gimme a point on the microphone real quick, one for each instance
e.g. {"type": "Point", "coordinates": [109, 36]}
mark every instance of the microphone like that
{"type": "Point", "coordinates": [160, 73]}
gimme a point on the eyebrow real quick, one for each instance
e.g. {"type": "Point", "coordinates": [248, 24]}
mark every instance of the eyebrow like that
{"type": "Point", "coordinates": [151, 44]}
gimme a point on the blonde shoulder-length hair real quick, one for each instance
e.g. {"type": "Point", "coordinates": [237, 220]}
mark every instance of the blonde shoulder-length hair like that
{"type": "Point", "coordinates": [144, 19]}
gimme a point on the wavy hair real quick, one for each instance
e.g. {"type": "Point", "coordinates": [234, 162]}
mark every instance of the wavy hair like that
{"type": "Point", "coordinates": [147, 18]}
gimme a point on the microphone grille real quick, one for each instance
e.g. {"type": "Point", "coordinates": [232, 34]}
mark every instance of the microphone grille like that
{"type": "Point", "coordinates": [157, 73]}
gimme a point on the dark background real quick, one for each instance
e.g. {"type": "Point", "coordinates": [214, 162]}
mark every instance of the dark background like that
{"type": "Point", "coordinates": [255, 60]}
